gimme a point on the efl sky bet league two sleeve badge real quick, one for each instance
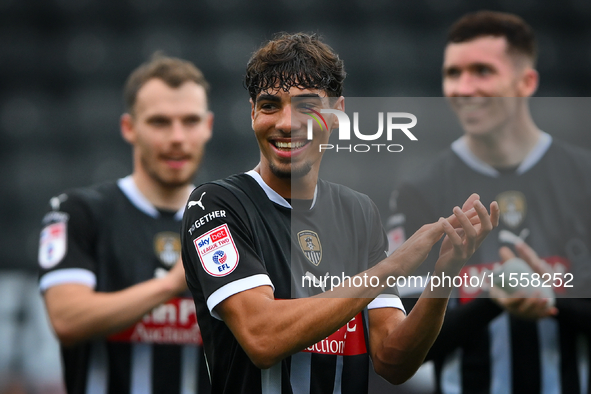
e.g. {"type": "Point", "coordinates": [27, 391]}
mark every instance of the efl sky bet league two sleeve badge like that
{"type": "Point", "coordinates": [52, 244]}
{"type": "Point", "coordinates": [217, 251]}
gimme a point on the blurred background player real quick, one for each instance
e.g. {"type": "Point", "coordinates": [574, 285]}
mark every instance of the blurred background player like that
{"type": "Point", "coordinates": [110, 254]}
{"type": "Point", "coordinates": [506, 345]}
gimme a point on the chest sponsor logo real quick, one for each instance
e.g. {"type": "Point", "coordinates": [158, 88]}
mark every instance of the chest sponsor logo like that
{"type": "Point", "coordinates": [53, 244]}
{"type": "Point", "coordinates": [513, 207]}
{"type": "Point", "coordinates": [217, 251]}
{"type": "Point", "coordinates": [349, 340]}
{"type": "Point", "coordinates": [167, 246]}
{"type": "Point", "coordinates": [174, 322]}
{"type": "Point", "coordinates": [310, 244]}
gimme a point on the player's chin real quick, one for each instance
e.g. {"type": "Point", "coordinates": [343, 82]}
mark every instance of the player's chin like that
{"type": "Point", "coordinates": [291, 170]}
{"type": "Point", "coordinates": [176, 180]}
{"type": "Point", "coordinates": [475, 129]}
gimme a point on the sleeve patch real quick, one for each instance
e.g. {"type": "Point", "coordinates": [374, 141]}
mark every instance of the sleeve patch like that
{"type": "Point", "coordinates": [217, 251]}
{"type": "Point", "coordinates": [52, 244]}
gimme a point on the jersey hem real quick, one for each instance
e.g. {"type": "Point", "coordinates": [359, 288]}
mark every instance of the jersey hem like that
{"type": "Point", "coordinates": [67, 275]}
{"type": "Point", "coordinates": [386, 301]}
{"type": "Point", "coordinates": [236, 287]}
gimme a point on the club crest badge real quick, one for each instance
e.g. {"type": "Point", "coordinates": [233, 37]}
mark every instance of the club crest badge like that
{"type": "Point", "coordinates": [310, 244]}
{"type": "Point", "coordinates": [513, 207]}
{"type": "Point", "coordinates": [167, 246]}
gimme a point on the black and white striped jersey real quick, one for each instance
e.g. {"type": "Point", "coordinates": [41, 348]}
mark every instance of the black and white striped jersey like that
{"type": "Point", "coordinates": [242, 235]}
{"type": "Point", "coordinates": [544, 201]}
{"type": "Point", "coordinates": [109, 237]}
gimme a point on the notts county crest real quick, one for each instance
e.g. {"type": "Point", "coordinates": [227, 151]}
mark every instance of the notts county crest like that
{"type": "Point", "coordinates": [310, 244]}
{"type": "Point", "coordinates": [513, 208]}
{"type": "Point", "coordinates": [167, 247]}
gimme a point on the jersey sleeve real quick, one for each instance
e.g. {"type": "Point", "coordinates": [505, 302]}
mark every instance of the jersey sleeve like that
{"type": "Point", "coordinates": [218, 247]}
{"type": "Point", "coordinates": [379, 251]}
{"type": "Point", "coordinates": [66, 243]}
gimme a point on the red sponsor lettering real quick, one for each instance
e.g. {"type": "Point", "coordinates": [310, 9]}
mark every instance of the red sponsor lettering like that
{"type": "Point", "coordinates": [468, 293]}
{"type": "Point", "coordinates": [174, 322]}
{"type": "Point", "coordinates": [219, 235]}
{"type": "Point", "coordinates": [349, 340]}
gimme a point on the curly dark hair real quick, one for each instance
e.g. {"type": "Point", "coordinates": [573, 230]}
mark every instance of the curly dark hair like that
{"type": "Point", "coordinates": [519, 35]}
{"type": "Point", "coordinates": [295, 60]}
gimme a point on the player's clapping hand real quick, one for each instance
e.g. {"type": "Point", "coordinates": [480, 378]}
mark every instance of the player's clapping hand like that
{"type": "Point", "coordinates": [529, 305]}
{"type": "Point", "coordinates": [176, 277]}
{"type": "Point", "coordinates": [465, 230]}
{"type": "Point", "coordinates": [467, 227]}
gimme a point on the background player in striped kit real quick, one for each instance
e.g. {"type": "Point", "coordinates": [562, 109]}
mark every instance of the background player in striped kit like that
{"type": "Point", "coordinates": [110, 253]}
{"type": "Point", "coordinates": [507, 344]}
{"type": "Point", "coordinates": [243, 261]}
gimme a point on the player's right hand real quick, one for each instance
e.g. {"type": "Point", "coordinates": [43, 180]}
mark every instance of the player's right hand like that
{"type": "Point", "coordinates": [415, 249]}
{"type": "Point", "coordinates": [519, 304]}
{"type": "Point", "coordinates": [176, 277]}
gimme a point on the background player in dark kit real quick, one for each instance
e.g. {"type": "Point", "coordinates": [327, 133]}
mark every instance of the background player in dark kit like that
{"type": "Point", "coordinates": [110, 253]}
{"type": "Point", "coordinates": [507, 344]}
{"type": "Point", "coordinates": [240, 253]}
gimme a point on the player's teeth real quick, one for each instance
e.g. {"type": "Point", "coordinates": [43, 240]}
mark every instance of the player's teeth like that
{"type": "Point", "coordinates": [289, 145]}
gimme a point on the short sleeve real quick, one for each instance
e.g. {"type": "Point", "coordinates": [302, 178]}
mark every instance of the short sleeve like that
{"type": "Point", "coordinates": [378, 239]}
{"type": "Point", "coordinates": [66, 244]}
{"type": "Point", "coordinates": [218, 247]}
{"type": "Point", "coordinates": [379, 251]}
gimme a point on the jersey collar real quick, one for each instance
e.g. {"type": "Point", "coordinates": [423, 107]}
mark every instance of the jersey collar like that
{"type": "Point", "coordinates": [272, 194]}
{"type": "Point", "coordinates": [460, 148]}
{"type": "Point", "coordinates": [129, 188]}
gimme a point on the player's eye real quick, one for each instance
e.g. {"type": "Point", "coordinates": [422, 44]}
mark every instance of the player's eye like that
{"type": "Point", "coordinates": [451, 72]}
{"type": "Point", "coordinates": [267, 106]}
{"type": "Point", "coordinates": [191, 120]}
{"type": "Point", "coordinates": [483, 70]}
{"type": "Point", "coordinates": [307, 106]}
{"type": "Point", "coordinates": [158, 121]}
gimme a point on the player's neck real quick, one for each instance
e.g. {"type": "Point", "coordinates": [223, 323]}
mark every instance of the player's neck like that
{"type": "Point", "coordinates": [290, 188]}
{"type": "Point", "coordinates": [508, 146]}
{"type": "Point", "coordinates": [168, 198]}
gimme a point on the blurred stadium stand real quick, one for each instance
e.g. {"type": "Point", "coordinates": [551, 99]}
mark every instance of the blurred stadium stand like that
{"type": "Point", "coordinates": [63, 64]}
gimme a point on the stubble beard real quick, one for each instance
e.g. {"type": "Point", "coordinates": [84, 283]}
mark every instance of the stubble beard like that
{"type": "Point", "coordinates": [292, 173]}
{"type": "Point", "coordinates": [169, 184]}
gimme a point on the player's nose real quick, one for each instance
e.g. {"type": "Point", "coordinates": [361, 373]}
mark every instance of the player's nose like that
{"type": "Point", "coordinates": [464, 86]}
{"type": "Point", "coordinates": [286, 121]}
{"type": "Point", "coordinates": [177, 132]}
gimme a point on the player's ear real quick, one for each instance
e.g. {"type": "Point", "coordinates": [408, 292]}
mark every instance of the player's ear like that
{"type": "Point", "coordinates": [338, 105]}
{"type": "Point", "coordinates": [528, 83]}
{"type": "Point", "coordinates": [209, 122]}
{"type": "Point", "coordinates": [127, 128]}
